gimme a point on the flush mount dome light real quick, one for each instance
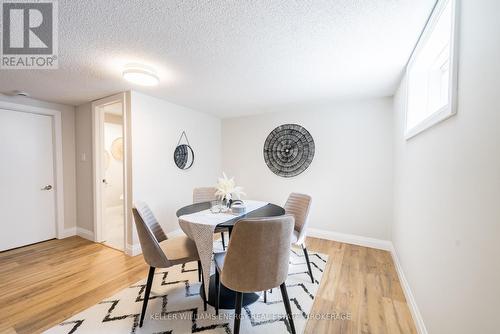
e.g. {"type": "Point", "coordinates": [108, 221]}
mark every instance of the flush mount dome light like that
{"type": "Point", "coordinates": [140, 75]}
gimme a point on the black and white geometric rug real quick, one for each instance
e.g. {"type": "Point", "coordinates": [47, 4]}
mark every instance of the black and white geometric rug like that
{"type": "Point", "coordinates": [175, 305]}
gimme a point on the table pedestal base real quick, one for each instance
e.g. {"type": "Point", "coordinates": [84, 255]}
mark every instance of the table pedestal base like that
{"type": "Point", "coordinates": [227, 296]}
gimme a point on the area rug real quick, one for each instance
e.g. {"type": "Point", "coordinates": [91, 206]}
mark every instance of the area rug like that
{"type": "Point", "coordinates": [175, 305]}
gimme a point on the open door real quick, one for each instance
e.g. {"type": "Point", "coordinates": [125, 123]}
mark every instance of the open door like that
{"type": "Point", "coordinates": [110, 186]}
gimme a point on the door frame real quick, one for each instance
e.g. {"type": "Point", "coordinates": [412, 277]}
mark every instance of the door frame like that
{"type": "Point", "coordinates": [97, 137]}
{"type": "Point", "coordinates": [58, 158]}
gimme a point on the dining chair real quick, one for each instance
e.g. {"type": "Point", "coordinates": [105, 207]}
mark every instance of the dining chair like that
{"type": "Point", "coordinates": [158, 251]}
{"type": "Point", "coordinates": [256, 260]}
{"type": "Point", "coordinates": [207, 194]}
{"type": "Point", "coordinates": [298, 206]}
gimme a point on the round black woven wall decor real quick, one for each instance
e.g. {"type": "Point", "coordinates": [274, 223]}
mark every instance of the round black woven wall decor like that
{"type": "Point", "coordinates": [183, 156]}
{"type": "Point", "coordinates": [289, 150]}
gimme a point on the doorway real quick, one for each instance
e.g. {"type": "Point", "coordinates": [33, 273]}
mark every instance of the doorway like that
{"type": "Point", "coordinates": [109, 167]}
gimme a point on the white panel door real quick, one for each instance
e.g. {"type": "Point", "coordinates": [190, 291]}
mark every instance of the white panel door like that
{"type": "Point", "coordinates": [27, 205]}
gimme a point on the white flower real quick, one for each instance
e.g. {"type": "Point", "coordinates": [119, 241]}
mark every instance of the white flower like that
{"type": "Point", "coordinates": [227, 189]}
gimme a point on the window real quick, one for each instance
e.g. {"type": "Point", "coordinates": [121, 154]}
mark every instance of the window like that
{"type": "Point", "coordinates": [431, 73]}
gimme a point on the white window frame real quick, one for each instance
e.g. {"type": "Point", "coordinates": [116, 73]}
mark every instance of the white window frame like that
{"type": "Point", "coordinates": [450, 108]}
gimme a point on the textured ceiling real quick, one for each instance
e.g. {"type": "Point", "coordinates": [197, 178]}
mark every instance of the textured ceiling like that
{"type": "Point", "coordinates": [230, 58]}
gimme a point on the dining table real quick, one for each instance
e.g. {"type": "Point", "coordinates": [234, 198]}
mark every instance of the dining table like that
{"type": "Point", "coordinates": [199, 224]}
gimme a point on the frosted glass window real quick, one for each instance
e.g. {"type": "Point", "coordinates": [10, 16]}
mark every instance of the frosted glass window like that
{"type": "Point", "coordinates": [431, 72]}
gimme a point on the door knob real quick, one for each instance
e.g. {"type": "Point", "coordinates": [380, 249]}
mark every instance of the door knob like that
{"type": "Point", "coordinates": [47, 187]}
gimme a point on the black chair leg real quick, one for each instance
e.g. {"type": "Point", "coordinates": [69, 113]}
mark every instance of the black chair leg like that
{"type": "Point", "coordinates": [217, 291]}
{"type": "Point", "coordinates": [237, 312]}
{"type": "Point", "coordinates": [286, 301]}
{"type": "Point", "coordinates": [223, 241]}
{"type": "Point", "coordinates": [203, 295]}
{"type": "Point", "coordinates": [265, 296]}
{"type": "Point", "coordinates": [199, 271]}
{"type": "Point", "coordinates": [146, 293]}
{"type": "Point", "coordinates": [308, 263]}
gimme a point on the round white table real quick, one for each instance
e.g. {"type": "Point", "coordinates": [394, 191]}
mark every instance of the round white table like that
{"type": "Point", "coordinates": [199, 224]}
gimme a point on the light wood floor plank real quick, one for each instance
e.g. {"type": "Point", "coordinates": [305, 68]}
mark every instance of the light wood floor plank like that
{"type": "Point", "coordinates": [361, 284]}
{"type": "Point", "coordinates": [53, 280]}
{"type": "Point", "coordinates": [43, 284]}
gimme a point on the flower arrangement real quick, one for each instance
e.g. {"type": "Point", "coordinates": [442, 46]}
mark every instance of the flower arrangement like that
{"type": "Point", "coordinates": [227, 189]}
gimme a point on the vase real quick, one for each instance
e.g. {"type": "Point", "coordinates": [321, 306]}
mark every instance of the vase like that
{"type": "Point", "coordinates": [226, 204]}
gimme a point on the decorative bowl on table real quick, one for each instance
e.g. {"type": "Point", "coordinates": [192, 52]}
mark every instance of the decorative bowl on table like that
{"type": "Point", "coordinates": [238, 207]}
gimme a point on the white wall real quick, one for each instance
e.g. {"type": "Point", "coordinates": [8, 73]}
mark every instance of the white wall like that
{"type": "Point", "coordinates": [447, 193]}
{"type": "Point", "coordinates": [350, 178]}
{"type": "Point", "coordinates": [68, 146]}
{"type": "Point", "coordinates": [156, 127]}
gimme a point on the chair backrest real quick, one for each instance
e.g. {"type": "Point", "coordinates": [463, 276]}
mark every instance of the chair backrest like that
{"type": "Point", "coordinates": [258, 254]}
{"type": "Point", "coordinates": [150, 235]}
{"type": "Point", "coordinates": [204, 194]}
{"type": "Point", "coordinates": [298, 205]}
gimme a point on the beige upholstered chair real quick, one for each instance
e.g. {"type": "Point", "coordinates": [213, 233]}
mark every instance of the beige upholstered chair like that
{"type": "Point", "coordinates": [256, 260]}
{"type": "Point", "coordinates": [157, 250]}
{"type": "Point", "coordinates": [207, 194]}
{"type": "Point", "coordinates": [204, 194]}
{"type": "Point", "coordinates": [298, 205]}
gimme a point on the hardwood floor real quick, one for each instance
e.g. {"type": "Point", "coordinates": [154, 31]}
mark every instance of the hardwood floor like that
{"type": "Point", "coordinates": [362, 284]}
{"type": "Point", "coordinates": [41, 285]}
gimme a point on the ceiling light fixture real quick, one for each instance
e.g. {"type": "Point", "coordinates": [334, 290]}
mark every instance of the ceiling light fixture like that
{"type": "Point", "coordinates": [140, 75]}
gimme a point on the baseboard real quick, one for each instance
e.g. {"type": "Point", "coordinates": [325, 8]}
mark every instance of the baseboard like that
{"type": "Point", "coordinates": [84, 233]}
{"type": "Point", "coordinates": [410, 299]}
{"type": "Point", "coordinates": [133, 250]}
{"type": "Point", "coordinates": [67, 232]}
{"type": "Point", "coordinates": [350, 239]}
